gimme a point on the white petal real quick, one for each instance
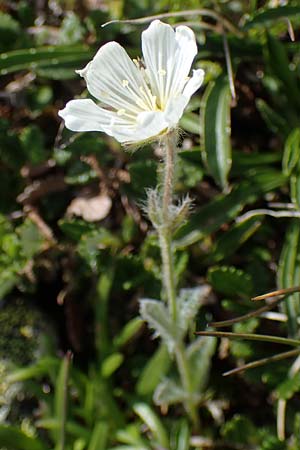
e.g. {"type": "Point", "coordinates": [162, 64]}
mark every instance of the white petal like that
{"type": "Point", "coordinates": [168, 57]}
{"type": "Point", "coordinates": [113, 78]}
{"type": "Point", "coordinates": [176, 105]}
{"type": "Point", "coordinates": [150, 124]}
{"type": "Point", "coordinates": [185, 54]}
{"type": "Point", "coordinates": [85, 115]}
{"type": "Point", "coordinates": [159, 48]}
{"type": "Point", "coordinates": [194, 83]}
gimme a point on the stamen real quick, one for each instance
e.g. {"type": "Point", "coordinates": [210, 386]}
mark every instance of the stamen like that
{"type": "Point", "coordinates": [150, 99]}
{"type": "Point", "coordinates": [121, 112]}
{"type": "Point", "coordinates": [141, 104]}
{"type": "Point", "coordinates": [125, 83]}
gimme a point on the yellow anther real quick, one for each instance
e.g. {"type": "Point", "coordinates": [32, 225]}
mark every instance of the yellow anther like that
{"type": "Point", "coordinates": [121, 112]}
{"type": "Point", "coordinates": [162, 72]}
{"type": "Point", "coordinates": [125, 83]}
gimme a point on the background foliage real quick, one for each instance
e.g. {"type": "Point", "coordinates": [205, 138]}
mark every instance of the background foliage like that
{"type": "Point", "coordinates": [78, 366]}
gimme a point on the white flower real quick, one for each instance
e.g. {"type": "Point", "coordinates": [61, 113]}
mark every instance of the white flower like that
{"type": "Point", "coordinates": [140, 99]}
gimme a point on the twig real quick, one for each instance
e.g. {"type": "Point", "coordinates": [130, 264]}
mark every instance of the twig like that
{"type": "Point", "coordinates": [267, 212]}
{"type": "Point", "coordinates": [199, 12]}
{"type": "Point", "coordinates": [262, 362]}
{"type": "Point", "coordinates": [257, 312]}
{"type": "Point", "coordinates": [285, 292]}
{"type": "Point", "coordinates": [290, 29]}
{"type": "Point", "coordinates": [251, 337]}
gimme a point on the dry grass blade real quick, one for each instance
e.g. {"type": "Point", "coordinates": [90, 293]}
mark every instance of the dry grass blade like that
{"type": "Point", "coordinates": [257, 312]}
{"type": "Point", "coordinates": [285, 292]}
{"type": "Point", "coordinates": [198, 12]}
{"type": "Point", "coordinates": [251, 337]}
{"type": "Point", "coordinates": [262, 362]}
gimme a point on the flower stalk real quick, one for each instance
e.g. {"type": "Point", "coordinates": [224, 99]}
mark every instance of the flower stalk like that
{"type": "Point", "coordinates": [168, 272]}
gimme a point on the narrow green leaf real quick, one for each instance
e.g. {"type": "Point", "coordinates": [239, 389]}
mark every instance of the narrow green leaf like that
{"type": "Point", "coordinates": [12, 438]}
{"type": "Point", "coordinates": [190, 122]}
{"type": "Point", "coordinates": [268, 16]}
{"type": "Point", "coordinates": [232, 240]}
{"type": "Point", "coordinates": [291, 155]}
{"type": "Point", "coordinates": [275, 122]}
{"type": "Point", "coordinates": [43, 367]}
{"type": "Point", "coordinates": [280, 66]}
{"type": "Point", "coordinates": [111, 364]}
{"type": "Point", "coordinates": [289, 274]}
{"type": "Point", "coordinates": [289, 387]}
{"type": "Point", "coordinates": [130, 447]}
{"type": "Point", "coordinates": [132, 434]}
{"type": "Point", "coordinates": [215, 118]}
{"type": "Point", "coordinates": [183, 436]}
{"type": "Point", "coordinates": [153, 422]}
{"type": "Point", "coordinates": [243, 161]}
{"type": "Point", "coordinates": [61, 398]}
{"type": "Point", "coordinates": [128, 332]}
{"type": "Point", "coordinates": [99, 437]}
{"type": "Point", "coordinates": [155, 369]}
{"type": "Point", "coordinates": [34, 58]}
{"type": "Point", "coordinates": [72, 428]}
{"type": "Point", "coordinates": [79, 444]}
{"type": "Point", "coordinates": [295, 189]}
{"type": "Point", "coordinates": [225, 208]}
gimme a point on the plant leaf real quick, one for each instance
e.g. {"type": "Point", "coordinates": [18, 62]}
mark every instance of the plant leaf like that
{"type": "Point", "coordinates": [12, 438]}
{"type": "Point", "coordinates": [230, 281]}
{"type": "Point", "coordinates": [40, 57]}
{"type": "Point", "coordinates": [268, 16]}
{"type": "Point", "coordinates": [188, 304]}
{"type": "Point", "coordinates": [99, 437]}
{"type": "Point", "coordinates": [156, 314]}
{"type": "Point", "coordinates": [225, 208]}
{"type": "Point", "coordinates": [280, 66]}
{"type": "Point", "coordinates": [291, 155]}
{"type": "Point", "coordinates": [168, 393]}
{"type": "Point", "coordinates": [289, 387]}
{"type": "Point", "coordinates": [234, 238]}
{"type": "Point", "coordinates": [215, 118]}
{"type": "Point", "coordinates": [289, 273]}
{"type": "Point", "coordinates": [156, 367]}
{"type": "Point", "coordinates": [153, 422]}
{"type": "Point", "coordinates": [200, 353]}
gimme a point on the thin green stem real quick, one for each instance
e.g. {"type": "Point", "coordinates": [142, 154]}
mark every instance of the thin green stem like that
{"type": "Point", "coordinates": [168, 181]}
{"type": "Point", "coordinates": [164, 231]}
{"type": "Point", "coordinates": [186, 380]}
{"type": "Point", "coordinates": [168, 271]}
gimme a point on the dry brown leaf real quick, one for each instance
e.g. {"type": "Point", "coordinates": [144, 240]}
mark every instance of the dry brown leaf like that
{"type": "Point", "coordinates": [91, 209]}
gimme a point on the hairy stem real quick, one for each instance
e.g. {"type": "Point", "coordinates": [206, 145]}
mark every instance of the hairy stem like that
{"type": "Point", "coordinates": [168, 272]}
{"type": "Point", "coordinates": [169, 284]}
